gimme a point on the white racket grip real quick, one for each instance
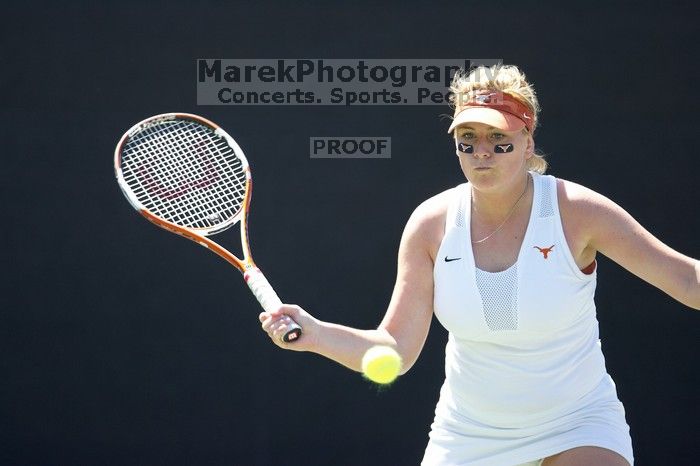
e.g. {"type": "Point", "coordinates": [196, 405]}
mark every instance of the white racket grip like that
{"type": "Point", "coordinates": [262, 289]}
{"type": "Point", "coordinates": [268, 299]}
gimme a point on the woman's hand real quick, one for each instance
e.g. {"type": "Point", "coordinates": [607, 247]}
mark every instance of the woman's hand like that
{"type": "Point", "coordinates": [277, 323]}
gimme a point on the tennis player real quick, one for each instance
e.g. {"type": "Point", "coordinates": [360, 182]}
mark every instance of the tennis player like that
{"type": "Point", "coordinates": [506, 261]}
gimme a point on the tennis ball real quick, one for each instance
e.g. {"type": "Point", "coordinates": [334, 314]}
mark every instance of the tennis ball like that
{"type": "Point", "coordinates": [381, 364]}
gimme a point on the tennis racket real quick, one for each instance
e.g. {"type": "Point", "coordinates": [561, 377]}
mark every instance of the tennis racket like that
{"type": "Point", "coordinates": [188, 176]}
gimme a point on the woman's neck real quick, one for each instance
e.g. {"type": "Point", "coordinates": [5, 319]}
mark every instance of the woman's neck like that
{"type": "Point", "coordinates": [493, 207]}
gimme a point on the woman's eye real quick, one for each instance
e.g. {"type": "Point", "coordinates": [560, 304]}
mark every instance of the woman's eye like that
{"type": "Point", "coordinates": [467, 136]}
{"type": "Point", "coordinates": [497, 136]}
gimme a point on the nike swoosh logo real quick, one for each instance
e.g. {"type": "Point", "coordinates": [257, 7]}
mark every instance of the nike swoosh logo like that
{"type": "Point", "coordinates": [448, 259]}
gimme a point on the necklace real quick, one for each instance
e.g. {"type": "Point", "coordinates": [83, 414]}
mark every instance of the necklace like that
{"type": "Point", "coordinates": [510, 214]}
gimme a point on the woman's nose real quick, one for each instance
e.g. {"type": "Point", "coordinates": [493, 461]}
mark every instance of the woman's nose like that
{"type": "Point", "coordinates": [482, 149]}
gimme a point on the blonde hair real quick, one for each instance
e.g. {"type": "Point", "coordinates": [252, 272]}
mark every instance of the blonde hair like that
{"type": "Point", "coordinates": [504, 78]}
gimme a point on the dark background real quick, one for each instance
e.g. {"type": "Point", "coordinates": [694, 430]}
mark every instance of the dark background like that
{"type": "Point", "coordinates": [121, 344]}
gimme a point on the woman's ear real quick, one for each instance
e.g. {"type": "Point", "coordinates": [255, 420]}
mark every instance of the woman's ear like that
{"type": "Point", "coordinates": [530, 149]}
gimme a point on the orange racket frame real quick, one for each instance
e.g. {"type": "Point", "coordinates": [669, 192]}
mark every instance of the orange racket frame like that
{"type": "Point", "coordinates": [255, 279]}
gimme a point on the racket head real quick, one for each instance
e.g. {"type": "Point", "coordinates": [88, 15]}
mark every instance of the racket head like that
{"type": "Point", "coordinates": [185, 171]}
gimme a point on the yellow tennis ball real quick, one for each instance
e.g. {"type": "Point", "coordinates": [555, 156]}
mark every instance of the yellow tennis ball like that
{"type": "Point", "coordinates": [381, 364]}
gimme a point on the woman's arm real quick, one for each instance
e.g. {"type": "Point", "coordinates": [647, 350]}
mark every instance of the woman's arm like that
{"type": "Point", "coordinates": [609, 229]}
{"type": "Point", "coordinates": [407, 321]}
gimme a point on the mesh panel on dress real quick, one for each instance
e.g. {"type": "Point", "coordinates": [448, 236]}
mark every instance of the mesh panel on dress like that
{"type": "Point", "coordinates": [459, 221]}
{"type": "Point", "coordinates": [499, 293]}
{"type": "Point", "coordinates": [546, 208]}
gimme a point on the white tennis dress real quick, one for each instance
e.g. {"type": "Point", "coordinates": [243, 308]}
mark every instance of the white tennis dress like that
{"type": "Point", "coordinates": [525, 374]}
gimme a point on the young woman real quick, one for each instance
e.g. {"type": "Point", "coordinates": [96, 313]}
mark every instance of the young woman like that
{"type": "Point", "coordinates": [506, 262]}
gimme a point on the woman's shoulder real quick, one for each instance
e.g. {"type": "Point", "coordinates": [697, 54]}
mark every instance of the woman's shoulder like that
{"type": "Point", "coordinates": [435, 207]}
{"type": "Point", "coordinates": [428, 218]}
{"type": "Point", "coordinates": [582, 209]}
{"type": "Point", "coordinates": [576, 196]}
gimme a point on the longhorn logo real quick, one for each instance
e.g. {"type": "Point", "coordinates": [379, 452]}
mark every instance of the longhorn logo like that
{"type": "Point", "coordinates": [484, 98]}
{"type": "Point", "coordinates": [545, 251]}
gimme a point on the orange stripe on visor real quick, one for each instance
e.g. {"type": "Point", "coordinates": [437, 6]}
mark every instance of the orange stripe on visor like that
{"type": "Point", "coordinates": [494, 108]}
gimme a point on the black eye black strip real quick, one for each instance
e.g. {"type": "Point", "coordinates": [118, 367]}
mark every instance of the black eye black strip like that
{"type": "Point", "coordinates": [502, 148]}
{"type": "Point", "coordinates": [466, 148]}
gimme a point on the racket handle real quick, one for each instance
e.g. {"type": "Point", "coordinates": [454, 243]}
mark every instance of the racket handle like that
{"type": "Point", "coordinates": [268, 299]}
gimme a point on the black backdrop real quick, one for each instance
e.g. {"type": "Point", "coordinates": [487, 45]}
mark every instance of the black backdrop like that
{"type": "Point", "coordinates": [125, 345]}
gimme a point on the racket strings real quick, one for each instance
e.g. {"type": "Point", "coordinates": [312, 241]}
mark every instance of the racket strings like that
{"type": "Point", "coordinates": [185, 173]}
